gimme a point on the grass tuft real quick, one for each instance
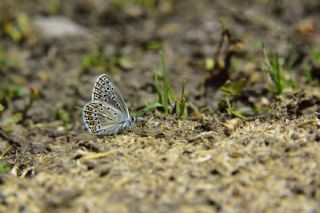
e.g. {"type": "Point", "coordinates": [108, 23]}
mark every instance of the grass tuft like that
{"type": "Point", "coordinates": [146, 4]}
{"type": "Point", "coordinates": [231, 89]}
{"type": "Point", "coordinates": [277, 73]}
{"type": "Point", "coordinates": [167, 100]}
{"type": "Point", "coordinates": [7, 63]}
{"type": "Point", "coordinates": [4, 168]}
{"type": "Point", "coordinates": [62, 115]}
{"type": "Point", "coordinates": [19, 29]}
{"type": "Point", "coordinates": [97, 60]}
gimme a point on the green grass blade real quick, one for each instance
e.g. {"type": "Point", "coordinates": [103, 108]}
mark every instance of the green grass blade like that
{"type": "Point", "coordinates": [182, 104]}
{"type": "Point", "coordinates": [171, 95]}
{"type": "Point", "coordinates": [165, 88]}
{"type": "Point", "coordinates": [157, 85]}
{"type": "Point", "coordinates": [278, 75]}
{"type": "Point", "coordinates": [147, 108]}
{"type": "Point", "coordinates": [237, 114]}
{"type": "Point", "coordinates": [275, 71]}
{"type": "Point", "coordinates": [229, 107]}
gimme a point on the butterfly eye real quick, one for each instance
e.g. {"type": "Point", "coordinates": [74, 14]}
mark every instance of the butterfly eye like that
{"type": "Point", "coordinates": [132, 118]}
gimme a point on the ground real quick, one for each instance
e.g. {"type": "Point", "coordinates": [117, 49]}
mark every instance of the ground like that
{"type": "Point", "coordinates": [260, 153]}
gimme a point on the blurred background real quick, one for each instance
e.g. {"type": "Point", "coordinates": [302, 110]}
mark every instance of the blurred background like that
{"type": "Point", "coordinates": [51, 51]}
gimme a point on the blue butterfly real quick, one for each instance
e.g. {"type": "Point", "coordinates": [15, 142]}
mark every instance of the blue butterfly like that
{"type": "Point", "coordinates": [107, 113]}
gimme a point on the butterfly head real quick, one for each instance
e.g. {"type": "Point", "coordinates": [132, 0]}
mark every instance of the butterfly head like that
{"type": "Point", "coordinates": [131, 122]}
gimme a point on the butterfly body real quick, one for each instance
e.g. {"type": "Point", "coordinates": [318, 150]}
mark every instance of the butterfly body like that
{"type": "Point", "coordinates": [107, 113]}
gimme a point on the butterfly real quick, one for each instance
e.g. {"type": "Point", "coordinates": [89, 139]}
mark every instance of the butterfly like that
{"type": "Point", "coordinates": [107, 113]}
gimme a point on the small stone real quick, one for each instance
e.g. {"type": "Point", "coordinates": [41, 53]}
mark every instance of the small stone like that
{"type": "Point", "coordinates": [233, 124]}
{"type": "Point", "coordinates": [57, 27]}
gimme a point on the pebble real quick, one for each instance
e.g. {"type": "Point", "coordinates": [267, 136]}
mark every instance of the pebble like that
{"type": "Point", "coordinates": [57, 27]}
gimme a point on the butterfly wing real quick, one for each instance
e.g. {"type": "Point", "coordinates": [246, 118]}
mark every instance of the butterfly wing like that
{"type": "Point", "coordinates": [106, 91]}
{"type": "Point", "coordinates": [102, 118]}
